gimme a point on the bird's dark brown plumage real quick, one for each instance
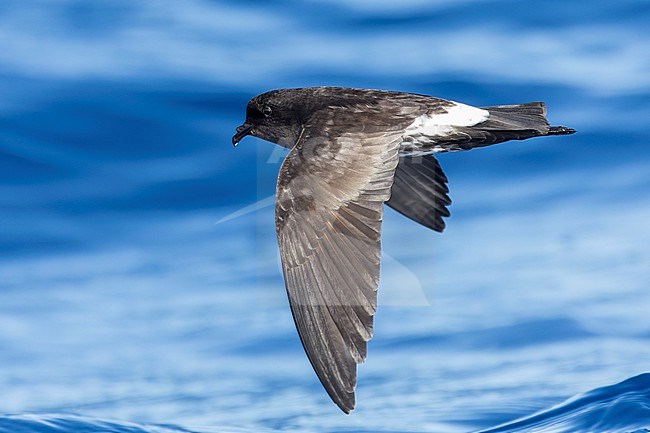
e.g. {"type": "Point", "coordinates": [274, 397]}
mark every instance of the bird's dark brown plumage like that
{"type": "Point", "coordinates": [351, 151]}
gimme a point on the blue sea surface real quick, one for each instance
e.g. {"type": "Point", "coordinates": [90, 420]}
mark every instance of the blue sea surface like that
{"type": "Point", "coordinates": [140, 288]}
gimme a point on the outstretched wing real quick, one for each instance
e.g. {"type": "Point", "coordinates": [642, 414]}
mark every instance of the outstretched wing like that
{"type": "Point", "coordinates": [330, 195]}
{"type": "Point", "coordinates": [420, 191]}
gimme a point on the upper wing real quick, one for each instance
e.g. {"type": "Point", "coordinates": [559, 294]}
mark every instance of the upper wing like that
{"type": "Point", "coordinates": [330, 195]}
{"type": "Point", "coordinates": [420, 191]}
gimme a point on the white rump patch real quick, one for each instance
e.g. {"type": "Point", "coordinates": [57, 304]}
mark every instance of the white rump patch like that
{"type": "Point", "coordinates": [432, 125]}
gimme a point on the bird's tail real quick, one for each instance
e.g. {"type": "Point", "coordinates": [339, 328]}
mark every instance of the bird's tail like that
{"type": "Point", "coordinates": [529, 119]}
{"type": "Point", "coordinates": [505, 122]}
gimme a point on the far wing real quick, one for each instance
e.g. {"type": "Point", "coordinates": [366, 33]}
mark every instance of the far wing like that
{"type": "Point", "coordinates": [420, 191]}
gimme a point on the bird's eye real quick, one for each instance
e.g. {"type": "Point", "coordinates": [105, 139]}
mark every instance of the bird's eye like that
{"type": "Point", "coordinates": [266, 111]}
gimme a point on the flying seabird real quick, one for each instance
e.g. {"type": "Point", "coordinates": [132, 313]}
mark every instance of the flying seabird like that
{"type": "Point", "coordinates": [351, 151]}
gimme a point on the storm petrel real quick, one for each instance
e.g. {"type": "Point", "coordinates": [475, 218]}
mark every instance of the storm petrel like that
{"type": "Point", "coordinates": [351, 151]}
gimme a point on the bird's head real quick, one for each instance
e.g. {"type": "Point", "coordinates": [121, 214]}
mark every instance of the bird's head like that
{"type": "Point", "coordinates": [274, 116]}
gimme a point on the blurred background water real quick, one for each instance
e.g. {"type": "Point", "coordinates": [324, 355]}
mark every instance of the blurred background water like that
{"type": "Point", "coordinates": [131, 302]}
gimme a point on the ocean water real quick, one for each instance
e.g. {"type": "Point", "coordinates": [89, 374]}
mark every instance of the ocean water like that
{"type": "Point", "coordinates": [139, 281]}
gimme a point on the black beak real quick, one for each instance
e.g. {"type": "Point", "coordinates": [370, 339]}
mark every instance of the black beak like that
{"type": "Point", "coordinates": [242, 131]}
